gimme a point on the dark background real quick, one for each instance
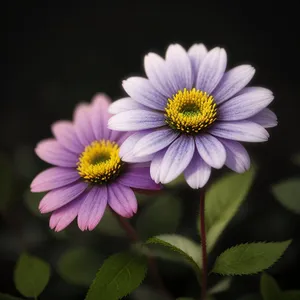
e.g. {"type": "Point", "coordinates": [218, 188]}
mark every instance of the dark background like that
{"type": "Point", "coordinates": [58, 55]}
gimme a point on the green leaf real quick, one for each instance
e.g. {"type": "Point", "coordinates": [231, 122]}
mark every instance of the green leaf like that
{"type": "Point", "coordinates": [189, 250]}
{"type": "Point", "coordinates": [222, 286]}
{"type": "Point", "coordinates": [31, 275]}
{"type": "Point", "coordinates": [250, 258]}
{"type": "Point", "coordinates": [6, 181]}
{"type": "Point", "coordinates": [287, 192]}
{"type": "Point", "coordinates": [119, 275]}
{"type": "Point", "coordinates": [159, 217]}
{"type": "Point", "coordinates": [32, 201]}
{"type": "Point", "coordinates": [222, 202]}
{"type": "Point", "coordinates": [109, 225]}
{"type": "Point", "coordinates": [8, 297]}
{"type": "Point", "coordinates": [291, 295]}
{"type": "Point", "coordinates": [79, 266]}
{"type": "Point", "coordinates": [269, 288]}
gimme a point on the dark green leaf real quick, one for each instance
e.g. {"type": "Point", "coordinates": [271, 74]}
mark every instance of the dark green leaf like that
{"type": "Point", "coordinates": [222, 202]}
{"type": "Point", "coordinates": [6, 180]}
{"type": "Point", "coordinates": [269, 288]}
{"type": "Point", "coordinates": [79, 266]}
{"type": "Point", "coordinates": [119, 275]}
{"type": "Point", "coordinates": [31, 275]}
{"type": "Point", "coordinates": [249, 258]}
{"type": "Point", "coordinates": [288, 194]}
{"type": "Point", "coordinates": [8, 297]}
{"type": "Point", "coordinates": [159, 217]}
{"type": "Point", "coordinates": [32, 201]}
{"type": "Point", "coordinates": [189, 250]}
{"type": "Point", "coordinates": [110, 226]}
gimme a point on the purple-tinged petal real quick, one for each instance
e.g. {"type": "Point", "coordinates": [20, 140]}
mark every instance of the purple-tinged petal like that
{"type": "Point", "coordinates": [177, 158]}
{"type": "Point", "coordinates": [65, 134]}
{"type": "Point", "coordinates": [196, 54]}
{"type": "Point", "coordinates": [232, 82]}
{"type": "Point", "coordinates": [211, 70]}
{"type": "Point", "coordinates": [237, 158]}
{"type": "Point", "coordinates": [156, 165]}
{"type": "Point", "coordinates": [99, 116]}
{"type": "Point", "coordinates": [53, 178]}
{"type": "Point", "coordinates": [52, 152]}
{"type": "Point", "coordinates": [139, 178]}
{"type": "Point", "coordinates": [124, 104]}
{"type": "Point", "coordinates": [154, 141]}
{"type": "Point", "coordinates": [122, 200]}
{"type": "Point", "coordinates": [118, 136]}
{"type": "Point", "coordinates": [82, 124]}
{"type": "Point", "coordinates": [179, 67]}
{"type": "Point", "coordinates": [61, 196]}
{"type": "Point", "coordinates": [157, 72]}
{"type": "Point", "coordinates": [141, 90]}
{"type": "Point", "coordinates": [265, 118]}
{"type": "Point", "coordinates": [65, 215]}
{"type": "Point", "coordinates": [246, 104]}
{"type": "Point", "coordinates": [133, 120]}
{"type": "Point", "coordinates": [197, 173]}
{"type": "Point", "coordinates": [244, 131]}
{"type": "Point", "coordinates": [126, 149]}
{"type": "Point", "coordinates": [92, 208]}
{"type": "Point", "coordinates": [211, 150]}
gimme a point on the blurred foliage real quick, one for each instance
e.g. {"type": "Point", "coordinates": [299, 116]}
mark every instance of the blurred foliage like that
{"type": "Point", "coordinates": [161, 216]}
{"type": "Point", "coordinates": [31, 275]}
{"type": "Point", "coordinates": [287, 192]}
{"type": "Point", "coordinates": [8, 297]}
{"type": "Point", "coordinates": [270, 290]}
{"type": "Point", "coordinates": [79, 265]}
{"type": "Point", "coordinates": [110, 226]}
{"type": "Point", "coordinates": [32, 201]}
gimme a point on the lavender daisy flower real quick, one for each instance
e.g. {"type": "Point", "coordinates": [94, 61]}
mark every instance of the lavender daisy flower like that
{"type": "Point", "coordinates": [89, 173]}
{"type": "Point", "coordinates": [190, 114]}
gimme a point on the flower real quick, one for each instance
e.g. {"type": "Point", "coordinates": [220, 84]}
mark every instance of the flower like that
{"type": "Point", "coordinates": [89, 173]}
{"type": "Point", "coordinates": [190, 114]}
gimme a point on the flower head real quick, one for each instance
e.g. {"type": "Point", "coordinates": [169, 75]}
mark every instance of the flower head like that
{"type": "Point", "coordinates": [89, 173]}
{"type": "Point", "coordinates": [190, 114]}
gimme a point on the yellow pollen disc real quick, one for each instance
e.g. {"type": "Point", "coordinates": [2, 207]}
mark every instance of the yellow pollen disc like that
{"type": "Point", "coordinates": [99, 162]}
{"type": "Point", "coordinates": [190, 111]}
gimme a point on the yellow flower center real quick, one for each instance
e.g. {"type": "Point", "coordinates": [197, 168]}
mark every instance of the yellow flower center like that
{"type": "Point", "coordinates": [100, 162]}
{"type": "Point", "coordinates": [190, 111]}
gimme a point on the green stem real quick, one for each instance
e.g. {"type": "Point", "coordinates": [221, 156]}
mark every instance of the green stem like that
{"type": "Point", "coordinates": [203, 244]}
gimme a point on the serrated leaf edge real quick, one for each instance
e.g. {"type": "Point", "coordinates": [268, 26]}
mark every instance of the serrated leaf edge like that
{"type": "Point", "coordinates": [242, 274]}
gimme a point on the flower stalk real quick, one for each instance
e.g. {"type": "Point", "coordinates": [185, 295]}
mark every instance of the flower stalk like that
{"type": "Point", "coordinates": [203, 244]}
